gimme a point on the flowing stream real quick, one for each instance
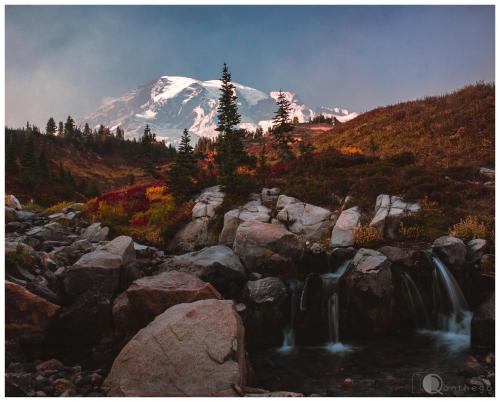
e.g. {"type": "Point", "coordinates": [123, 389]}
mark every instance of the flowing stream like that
{"type": "Point", "coordinates": [415, 302]}
{"type": "Point", "coordinates": [330, 281]}
{"type": "Point", "coordinates": [289, 331]}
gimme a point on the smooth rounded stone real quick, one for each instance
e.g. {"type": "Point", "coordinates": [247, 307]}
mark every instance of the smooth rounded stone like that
{"type": "Point", "coordinates": [345, 227]}
{"type": "Point", "coordinates": [27, 316]}
{"type": "Point", "coordinates": [15, 227]}
{"type": "Point", "coordinates": [48, 365]}
{"type": "Point", "coordinates": [475, 250]}
{"type": "Point", "coordinates": [52, 231]}
{"type": "Point", "coordinates": [218, 265]}
{"type": "Point", "coordinates": [252, 211]}
{"type": "Point", "coordinates": [267, 248]}
{"type": "Point", "coordinates": [64, 387]}
{"type": "Point", "coordinates": [192, 236]}
{"type": "Point", "coordinates": [12, 202]}
{"type": "Point", "coordinates": [452, 251]}
{"type": "Point", "coordinates": [389, 210]}
{"type": "Point", "coordinates": [300, 218]}
{"type": "Point", "coordinates": [150, 296]}
{"type": "Point", "coordinates": [208, 202]}
{"type": "Point", "coordinates": [483, 326]}
{"type": "Point", "coordinates": [399, 256]}
{"type": "Point", "coordinates": [269, 195]}
{"type": "Point", "coordinates": [368, 294]}
{"type": "Point", "coordinates": [192, 349]}
{"type": "Point", "coordinates": [95, 233]}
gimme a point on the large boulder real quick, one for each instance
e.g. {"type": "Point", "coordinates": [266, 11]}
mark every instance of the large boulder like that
{"type": "Point", "coordinates": [267, 248]}
{"type": "Point", "coordinates": [389, 210]}
{"type": "Point", "coordinates": [251, 211]}
{"type": "Point", "coordinates": [27, 316]}
{"type": "Point", "coordinates": [192, 349]}
{"type": "Point", "coordinates": [150, 296]}
{"type": "Point", "coordinates": [100, 268]}
{"type": "Point", "coordinates": [197, 233]}
{"type": "Point", "coordinates": [10, 215]}
{"type": "Point", "coordinates": [12, 202]}
{"type": "Point", "coordinates": [344, 230]}
{"type": "Point", "coordinates": [208, 202]}
{"type": "Point", "coordinates": [367, 294]}
{"type": "Point", "coordinates": [452, 251]}
{"type": "Point", "coordinates": [95, 232]}
{"type": "Point", "coordinates": [270, 195]}
{"type": "Point", "coordinates": [475, 250]}
{"type": "Point", "coordinates": [483, 326]}
{"type": "Point", "coordinates": [264, 319]}
{"type": "Point", "coordinates": [300, 218]}
{"type": "Point", "coordinates": [218, 265]}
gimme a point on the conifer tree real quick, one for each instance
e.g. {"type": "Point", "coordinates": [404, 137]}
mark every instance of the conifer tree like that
{"type": "Point", "coordinates": [231, 153]}
{"type": "Point", "coordinates": [29, 161]}
{"type": "Point", "coordinates": [43, 165]}
{"type": "Point", "coordinates": [60, 130]}
{"type": "Point", "coordinates": [282, 127]}
{"type": "Point", "coordinates": [11, 158]}
{"type": "Point", "coordinates": [51, 127]}
{"type": "Point", "coordinates": [87, 132]}
{"type": "Point", "coordinates": [69, 127]}
{"type": "Point", "coordinates": [184, 168]}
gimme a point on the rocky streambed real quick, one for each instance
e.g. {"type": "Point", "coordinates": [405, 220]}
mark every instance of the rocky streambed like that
{"type": "Point", "coordinates": [277, 302]}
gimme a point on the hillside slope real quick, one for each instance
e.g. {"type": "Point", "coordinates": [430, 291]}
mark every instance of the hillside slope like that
{"type": "Point", "coordinates": [456, 129]}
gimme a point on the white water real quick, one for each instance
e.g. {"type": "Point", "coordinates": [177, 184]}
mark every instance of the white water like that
{"type": "Point", "coordinates": [289, 331]}
{"type": "Point", "coordinates": [415, 302]}
{"type": "Point", "coordinates": [331, 281]}
{"type": "Point", "coordinates": [454, 318]}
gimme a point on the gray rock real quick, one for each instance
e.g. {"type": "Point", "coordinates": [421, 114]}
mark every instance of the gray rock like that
{"type": "Point", "coordinates": [12, 202]}
{"type": "Point", "coordinates": [489, 173]}
{"type": "Point", "coordinates": [389, 210]}
{"type": "Point", "coordinates": [267, 248]}
{"type": "Point", "coordinates": [208, 202]}
{"type": "Point", "coordinates": [267, 290]}
{"type": "Point", "coordinates": [398, 255]}
{"type": "Point", "coordinates": [252, 211]}
{"type": "Point", "coordinates": [270, 195]}
{"type": "Point", "coordinates": [192, 236]}
{"type": "Point", "coordinates": [218, 265]}
{"type": "Point", "coordinates": [344, 230]}
{"type": "Point", "coordinates": [52, 231]}
{"type": "Point", "coordinates": [95, 233]}
{"type": "Point", "coordinates": [452, 251]}
{"type": "Point", "coordinates": [475, 250]}
{"type": "Point", "coordinates": [122, 246]}
{"type": "Point", "coordinates": [368, 294]}
{"type": "Point", "coordinates": [10, 215]}
{"type": "Point", "coordinates": [300, 218]}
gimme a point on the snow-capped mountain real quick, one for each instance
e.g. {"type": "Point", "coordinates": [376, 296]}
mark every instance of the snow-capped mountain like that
{"type": "Point", "coordinates": [171, 104]}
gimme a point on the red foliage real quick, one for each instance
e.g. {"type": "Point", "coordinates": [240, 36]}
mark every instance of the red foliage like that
{"type": "Point", "coordinates": [139, 222]}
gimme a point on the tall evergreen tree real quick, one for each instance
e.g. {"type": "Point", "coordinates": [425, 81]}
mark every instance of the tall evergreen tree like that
{"type": "Point", "coordinates": [184, 168]}
{"type": "Point", "coordinates": [87, 132]}
{"type": "Point", "coordinates": [43, 165]}
{"type": "Point", "coordinates": [29, 161]}
{"type": "Point", "coordinates": [11, 158]}
{"type": "Point", "coordinates": [231, 152]}
{"type": "Point", "coordinates": [51, 127]}
{"type": "Point", "coordinates": [69, 127]}
{"type": "Point", "coordinates": [282, 127]}
{"type": "Point", "coordinates": [60, 130]}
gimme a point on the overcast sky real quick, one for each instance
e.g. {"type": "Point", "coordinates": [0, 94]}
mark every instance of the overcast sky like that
{"type": "Point", "coordinates": [64, 60]}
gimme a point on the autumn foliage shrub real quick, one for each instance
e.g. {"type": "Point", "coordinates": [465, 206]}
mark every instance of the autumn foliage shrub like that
{"type": "Point", "coordinates": [470, 228]}
{"type": "Point", "coordinates": [367, 236]}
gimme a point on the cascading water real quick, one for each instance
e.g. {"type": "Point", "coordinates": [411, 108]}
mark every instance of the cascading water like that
{"type": "Point", "coordinates": [451, 312]}
{"type": "Point", "coordinates": [289, 331]}
{"type": "Point", "coordinates": [330, 281]}
{"type": "Point", "coordinates": [415, 302]}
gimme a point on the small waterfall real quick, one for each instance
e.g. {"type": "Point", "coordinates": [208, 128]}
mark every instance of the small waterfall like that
{"type": "Point", "coordinates": [415, 302]}
{"type": "Point", "coordinates": [330, 281]}
{"type": "Point", "coordinates": [289, 331]}
{"type": "Point", "coordinates": [452, 311]}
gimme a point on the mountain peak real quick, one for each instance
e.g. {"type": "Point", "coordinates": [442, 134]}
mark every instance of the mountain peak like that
{"type": "Point", "coordinates": [172, 103]}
